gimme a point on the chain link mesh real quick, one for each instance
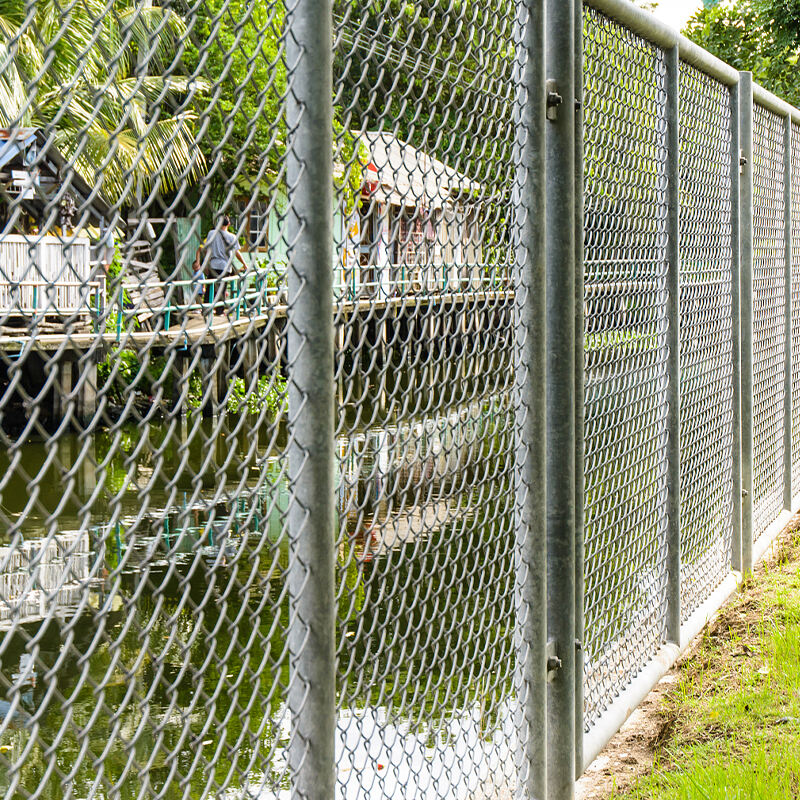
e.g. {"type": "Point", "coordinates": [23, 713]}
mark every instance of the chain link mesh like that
{"type": "Point", "coordinates": [706, 340]}
{"type": "Point", "coordinates": [426, 436]}
{"type": "Point", "coordinates": [144, 490]}
{"type": "Point", "coordinates": [768, 317]}
{"type": "Point", "coordinates": [152, 390]}
{"type": "Point", "coordinates": [795, 298]}
{"type": "Point", "coordinates": [626, 355]}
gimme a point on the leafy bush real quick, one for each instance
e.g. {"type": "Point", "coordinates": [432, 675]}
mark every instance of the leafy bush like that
{"type": "Point", "coordinates": [116, 373]}
{"type": "Point", "coordinates": [268, 391]}
{"type": "Point", "coordinates": [276, 275]}
{"type": "Point", "coordinates": [194, 397]}
{"type": "Point", "coordinates": [129, 374]}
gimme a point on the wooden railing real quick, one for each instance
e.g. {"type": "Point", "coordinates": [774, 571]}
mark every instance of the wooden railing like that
{"type": "Point", "coordinates": [47, 275]}
{"type": "Point", "coordinates": [250, 295]}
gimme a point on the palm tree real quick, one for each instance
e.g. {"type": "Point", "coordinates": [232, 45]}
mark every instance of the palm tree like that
{"type": "Point", "coordinates": [97, 79]}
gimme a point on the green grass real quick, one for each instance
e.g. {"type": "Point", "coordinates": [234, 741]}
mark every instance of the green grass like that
{"type": "Point", "coordinates": [609, 339]}
{"type": "Point", "coordinates": [731, 727]}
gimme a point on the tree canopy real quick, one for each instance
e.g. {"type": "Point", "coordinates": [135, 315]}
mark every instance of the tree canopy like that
{"type": "Point", "coordinates": [435, 72]}
{"type": "Point", "coordinates": [762, 36]}
{"type": "Point", "coordinates": [234, 46]}
{"type": "Point", "coordinates": [153, 96]}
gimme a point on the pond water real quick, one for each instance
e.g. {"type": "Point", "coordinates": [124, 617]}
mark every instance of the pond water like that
{"type": "Point", "coordinates": [144, 645]}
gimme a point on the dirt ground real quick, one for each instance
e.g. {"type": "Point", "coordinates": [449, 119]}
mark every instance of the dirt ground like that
{"type": "Point", "coordinates": [629, 755]}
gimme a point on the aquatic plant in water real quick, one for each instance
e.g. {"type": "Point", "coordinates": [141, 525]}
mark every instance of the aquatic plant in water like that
{"type": "Point", "coordinates": [269, 392]}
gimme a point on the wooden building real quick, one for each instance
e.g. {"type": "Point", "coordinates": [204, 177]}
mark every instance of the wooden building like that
{"type": "Point", "coordinates": [45, 255]}
{"type": "Point", "coordinates": [415, 228]}
{"type": "Point", "coordinates": [57, 238]}
{"type": "Point", "coordinates": [415, 225]}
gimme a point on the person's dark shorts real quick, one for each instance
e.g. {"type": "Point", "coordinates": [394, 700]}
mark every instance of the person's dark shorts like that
{"type": "Point", "coordinates": [215, 291]}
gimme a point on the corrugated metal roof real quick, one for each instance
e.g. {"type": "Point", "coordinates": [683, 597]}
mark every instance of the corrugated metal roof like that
{"type": "Point", "coordinates": [409, 177]}
{"type": "Point", "coordinates": [14, 141]}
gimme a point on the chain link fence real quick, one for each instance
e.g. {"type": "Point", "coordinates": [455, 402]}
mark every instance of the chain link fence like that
{"type": "Point", "coordinates": [691, 194]}
{"type": "Point", "coordinates": [625, 429]}
{"type": "Point", "coordinates": [706, 336]}
{"type": "Point", "coordinates": [371, 408]}
{"type": "Point", "coordinates": [768, 316]}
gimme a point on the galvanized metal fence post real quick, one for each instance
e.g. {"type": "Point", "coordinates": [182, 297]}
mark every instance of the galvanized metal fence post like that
{"type": "Point", "coordinates": [736, 422]}
{"type": "Point", "coordinates": [787, 317]}
{"type": "Point", "coordinates": [531, 591]}
{"type": "Point", "coordinates": [311, 696]}
{"type": "Point", "coordinates": [560, 320]}
{"type": "Point", "coordinates": [746, 309]}
{"type": "Point", "coordinates": [579, 392]}
{"type": "Point", "coordinates": [672, 59]}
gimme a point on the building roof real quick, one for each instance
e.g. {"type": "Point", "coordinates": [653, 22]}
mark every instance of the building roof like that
{"type": "Point", "coordinates": [407, 176]}
{"type": "Point", "coordinates": [15, 141]}
{"type": "Point", "coordinates": [29, 148]}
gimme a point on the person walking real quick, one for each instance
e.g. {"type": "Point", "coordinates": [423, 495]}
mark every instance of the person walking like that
{"type": "Point", "coordinates": [218, 251]}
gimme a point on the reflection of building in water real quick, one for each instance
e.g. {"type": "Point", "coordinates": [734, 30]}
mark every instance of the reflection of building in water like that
{"type": "Point", "coordinates": [402, 482]}
{"type": "Point", "coordinates": [43, 578]}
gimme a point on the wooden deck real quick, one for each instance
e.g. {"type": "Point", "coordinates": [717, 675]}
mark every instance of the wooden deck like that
{"type": "Point", "coordinates": [197, 329]}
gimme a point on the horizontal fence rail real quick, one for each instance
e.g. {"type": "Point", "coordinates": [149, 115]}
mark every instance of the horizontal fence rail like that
{"type": "Point", "coordinates": [387, 395]}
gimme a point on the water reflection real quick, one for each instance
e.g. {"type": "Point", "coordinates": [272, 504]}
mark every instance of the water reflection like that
{"type": "Point", "coordinates": [149, 630]}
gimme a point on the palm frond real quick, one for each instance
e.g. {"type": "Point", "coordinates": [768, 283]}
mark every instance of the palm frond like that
{"type": "Point", "coordinates": [13, 96]}
{"type": "Point", "coordinates": [114, 127]}
{"type": "Point", "coordinates": [166, 155]}
{"type": "Point", "coordinates": [154, 31]}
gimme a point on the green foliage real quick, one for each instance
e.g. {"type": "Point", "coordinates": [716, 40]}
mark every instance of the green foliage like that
{"type": "Point", "coordinates": [351, 595]}
{"type": "Point", "coordinates": [269, 392]}
{"type": "Point", "coordinates": [436, 72]}
{"type": "Point", "coordinates": [235, 47]}
{"type": "Point", "coordinates": [115, 267]}
{"type": "Point", "coordinates": [732, 722]}
{"type": "Point", "coordinates": [194, 398]}
{"type": "Point", "coordinates": [616, 340]}
{"type": "Point", "coordinates": [762, 36]}
{"type": "Point", "coordinates": [275, 277]}
{"type": "Point", "coordinates": [354, 157]}
{"type": "Point", "coordinates": [116, 373]}
{"type": "Point", "coordinates": [80, 72]}
{"type": "Point", "coordinates": [122, 371]}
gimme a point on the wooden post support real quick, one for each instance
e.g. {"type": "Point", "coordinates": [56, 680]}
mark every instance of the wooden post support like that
{"type": "Point", "coordinates": [180, 383]}
{"type": "Point", "coordinates": [86, 386]}
{"type": "Point", "coordinates": [250, 358]}
{"type": "Point", "coordinates": [62, 389]}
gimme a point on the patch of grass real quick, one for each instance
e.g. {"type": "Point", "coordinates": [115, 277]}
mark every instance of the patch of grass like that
{"type": "Point", "coordinates": [635, 340]}
{"type": "Point", "coordinates": [732, 725]}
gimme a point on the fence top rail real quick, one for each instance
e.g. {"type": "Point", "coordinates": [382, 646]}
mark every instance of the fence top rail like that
{"type": "Point", "coordinates": [773, 103]}
{"type": "Point", "coordinates": [662, 35]}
